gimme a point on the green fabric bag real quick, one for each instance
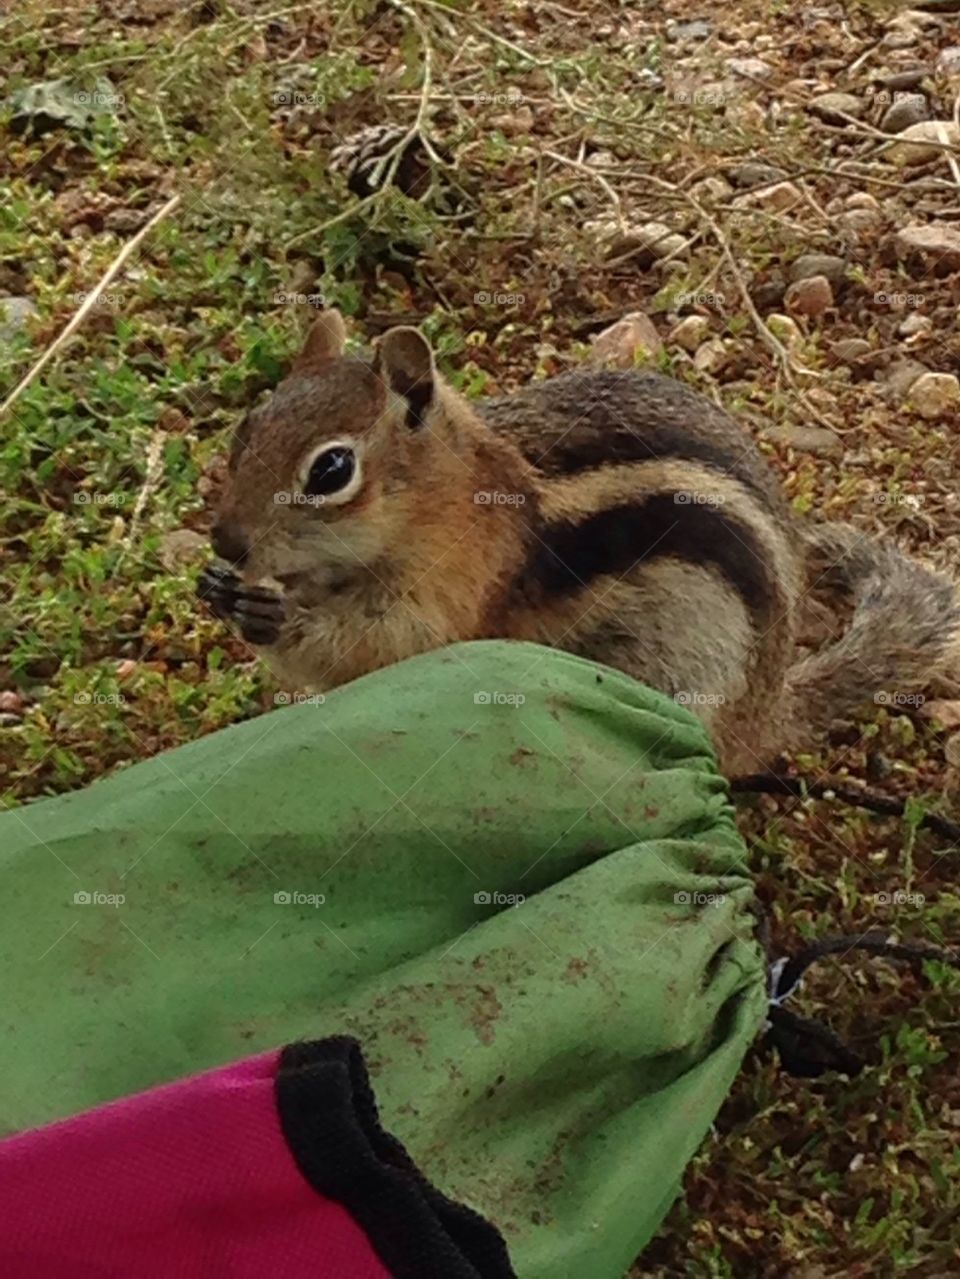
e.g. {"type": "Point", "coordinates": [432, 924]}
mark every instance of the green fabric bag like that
{"type": "Point", "coordinates": [353, 865]}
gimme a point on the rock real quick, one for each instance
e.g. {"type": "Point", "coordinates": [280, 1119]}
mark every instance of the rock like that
{"type": "Point", "coordinates": [782, 327]}
{"type": "Point", "coordinates": [940, 242]}
{"type": "Point", "coordinates": [672, 267]}
{"type": "Point", "coordinates": [180, 547]}
{"type": "Point", "coordinates": [904, 113]}
{"type": "Point", "coordinates": [832, 107]}
{"type": "Point", "coordinates": [847, 350]}
{"type": "Point", "coordinates": [14, 314]}
{"type": "Point", "coordinates": [125, 221]}
{"type": "Point", "coordinates": [768, 294]}
{"type": "Point", "coordinates": [698, 29]}
{"type": "Point", "coordinates": [690, 333]}
{"type": "Point", "coordinates": [617, 346]}
{"type": "Point", "coordinates": [861, 200]}
{"type": "Point", "coordinates": [945, 712]}
{"type": "Point", "coordinates": [900, 39]}
{"type": "Point", "coordinates": [936, 395]}
{"type": "Point", "coordinates": [661, 240]}
{"type": "Point", "coordinates": [655, 239]}
{"type": "Point", "coordinates": [711, 190]}
{"type": "Point", "coordinates": [646, 79]}
{"type": "Point", "coordinates": [749, 114]}
{"type": "Point", "coordinates": [914, 324]}
{"type": "Point", "coordinates": [601, 160]}
{"type": "Point", "coordinates": [910, 78]}
{"type": "Point", "coordinates": [859, 221]}
{"type": "Point", "coordinates": [808, 439]}
{"type": "Point", "coordinates": [809, 297]}
{"type": "Point", "coordinates": [755, 174]}
{"type": "Point", "coordinates": [752, 68]}
{"type": "Point", "coordinates": [9, 721]}
{"type": "Point", "coordinates": [512, 123]}
{"type": "Point", "coordinates": [600, 228]}
{"type": "Point", "coordinates": [825, 264]}
{"type": "Point", "coordinates": [948, 61]}
{"type": "Point", "coordinates": [11, 703]}
{"type": "Point", "coordinates": [712, 356]}
{"type": "Point", "coordinates": [902, 375]}
{"type": "Point", "coordinates": [914, 146]}
{"type": "Point", "coordinates": [775, 199]}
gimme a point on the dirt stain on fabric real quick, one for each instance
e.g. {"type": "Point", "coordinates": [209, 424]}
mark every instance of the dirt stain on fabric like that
{"type": "Point", "coordinates": [485, 1013]}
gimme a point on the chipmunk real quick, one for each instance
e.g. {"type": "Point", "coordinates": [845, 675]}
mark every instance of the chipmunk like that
{"type": "Point", "coordinates": [371, 513]}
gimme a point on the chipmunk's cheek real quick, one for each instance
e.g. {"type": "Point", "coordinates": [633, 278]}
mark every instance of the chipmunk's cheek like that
{"type": "Point", "coordinates": [359, 506]}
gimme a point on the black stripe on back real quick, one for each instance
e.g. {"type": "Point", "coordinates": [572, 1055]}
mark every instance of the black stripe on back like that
{"type": "Point", "coordinates": [569, 555]}
{"type": "Point", "coordinates": [663, 443]}
{"type": "Point", "coordinates": [575, 423]}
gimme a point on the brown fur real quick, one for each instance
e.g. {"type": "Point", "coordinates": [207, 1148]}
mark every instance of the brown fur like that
{"type": "Point", "coordinates": [588, 546]}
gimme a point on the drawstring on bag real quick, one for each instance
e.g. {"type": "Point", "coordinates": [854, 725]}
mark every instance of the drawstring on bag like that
{"type": "Point", "coordinates": [808, 1048]}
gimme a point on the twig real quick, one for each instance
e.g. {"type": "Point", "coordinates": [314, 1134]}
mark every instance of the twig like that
{"type": "Point", "coordinates": [782, 784]}
{"type": "Point", "coordinates": [598, 178]}
{"type": "Point", "coordinates": [769, 339]}
{"type": "Point", "coordinates": [942, 134]}
{"type": "Point", "coordinates": [592, 114]}
{"type": "Point", "coordinates": [383, 174]}
{"type": "Point", "coordinates": [647, 247]}
{"type": "Point", "coordinates": [395, 155]}
{"type": "Point", "coordinates": [357, 207]}
{"type": "Point", "coordinates": [151, 479]}
{"type": "Point", "coordinates": [485, 31]}
{"type": "Point", "coordinates": [90, 302]}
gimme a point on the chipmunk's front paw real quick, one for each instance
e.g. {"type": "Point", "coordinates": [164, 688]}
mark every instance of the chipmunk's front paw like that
{"type": "Point", "coordinates": [258, 612]}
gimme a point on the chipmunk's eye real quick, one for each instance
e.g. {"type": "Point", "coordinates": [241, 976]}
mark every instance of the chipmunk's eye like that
{"type": "Point", "coordinates": [333, 474]}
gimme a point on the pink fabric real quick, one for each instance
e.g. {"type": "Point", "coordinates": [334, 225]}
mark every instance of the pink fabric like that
{"type": "Point", "coordinates": [189, 1181]}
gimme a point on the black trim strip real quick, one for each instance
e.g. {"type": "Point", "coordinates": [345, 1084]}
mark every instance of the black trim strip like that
{"type": "Point", "coordinates": [329, 1119]}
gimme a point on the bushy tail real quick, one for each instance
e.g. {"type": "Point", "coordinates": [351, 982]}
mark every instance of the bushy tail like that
{"type": "Point", "coordinates": [905, 630]}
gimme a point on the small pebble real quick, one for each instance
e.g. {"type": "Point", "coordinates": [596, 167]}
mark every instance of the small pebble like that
{"type": "Point", "coordinates": [809, 297]}
{"type": "Point", "coordinates": [618, 345]}
{"type": "Point", "coordinates": [937, 242]}
{"type": "Point", "coordinates": [861, 200]}
{"type": "Point", "coordinates": [711, 356]}
{"type": "Point", "coordinates": [914, 324]}
{"type": "Point", "coordinates": [782, 327]}
{"type": "Point", "coordinates": [826, 264]}
{"type": "Point", "coordinates": [936, 395]}
{"type": "Point", "coordinates": [690, 333]}
{"type": "Point", "coordinates": [754, 174]}
{"type": "Point", "coordinates": [849, 349]}
{"type": "Point", "coordinates": [904, 113]}
{"type": "Point", "coordinates": [776, 199]}
{"type": "Point", "coordinates": [832, 107]}
{"type": "Point", "coordinates": [913, 146]}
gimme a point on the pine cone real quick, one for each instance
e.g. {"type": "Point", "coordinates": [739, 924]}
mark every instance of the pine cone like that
{"type": "Point", "coordinates": [358, 156]}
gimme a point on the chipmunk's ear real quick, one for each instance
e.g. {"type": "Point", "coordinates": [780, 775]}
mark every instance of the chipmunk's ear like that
{"type": "Point", "coordinates": [325, 342]}
{"type": "Point", "coordinates": [405, 362]}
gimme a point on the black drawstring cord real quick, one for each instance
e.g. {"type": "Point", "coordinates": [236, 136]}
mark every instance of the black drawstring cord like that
{"type": "Point", "coordinates": [885, 805]}
{"type": "Point", "coordinates": [808, 1048]}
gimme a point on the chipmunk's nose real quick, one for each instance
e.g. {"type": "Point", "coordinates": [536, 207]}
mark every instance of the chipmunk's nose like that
{"type": "Point", "coordinates": [230, 542]}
